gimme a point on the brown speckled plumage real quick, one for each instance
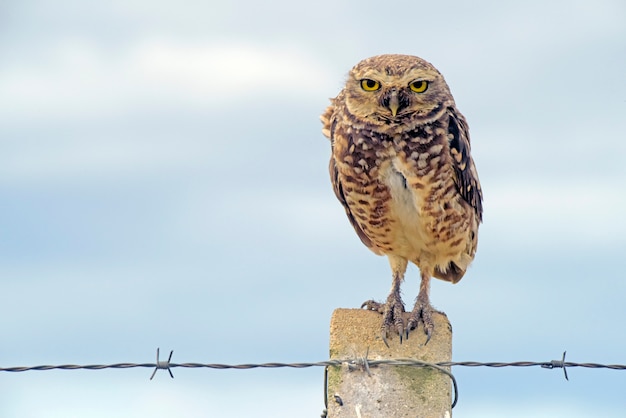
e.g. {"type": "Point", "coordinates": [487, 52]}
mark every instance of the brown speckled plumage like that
{"type": "Point", "coordinates": [402, 169]}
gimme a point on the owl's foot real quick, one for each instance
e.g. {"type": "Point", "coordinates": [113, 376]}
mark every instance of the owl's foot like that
{"type": "Point", "coordinates": [422, 313]}
{"type": "Point", "coordinates": [392, 312]}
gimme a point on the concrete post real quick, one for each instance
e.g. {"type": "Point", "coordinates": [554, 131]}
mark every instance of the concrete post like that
{"type": "Point", "coordinates": [389, 391]}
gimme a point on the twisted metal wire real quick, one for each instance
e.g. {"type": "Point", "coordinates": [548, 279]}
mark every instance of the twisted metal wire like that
{"type": "Point", "coordinates": [363, 363]}
{"type": "Point", "coordinates": [214, 365]}
{"type": "Point", "coordinates": [392, 362]}
{"type": "Point", "coordinates": [547, 365]}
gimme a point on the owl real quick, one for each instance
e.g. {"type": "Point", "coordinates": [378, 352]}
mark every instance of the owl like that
{"type": "Point", "coordinates": [401, 167]}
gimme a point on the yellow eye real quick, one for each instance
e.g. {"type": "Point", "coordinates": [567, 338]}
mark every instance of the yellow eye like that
{"type": "Point", "coordinates": [419, 86]}
{"type": "Point", "coordinates": [369, 85]}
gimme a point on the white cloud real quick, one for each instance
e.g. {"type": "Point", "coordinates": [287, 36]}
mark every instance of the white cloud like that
{"type": "Point", "coordinates": [227, 72]}
{"type": "Point", "coordinates": [66, 108]}
{"type": "Point", "coordinates": [580, 214]}
{"type": "Point", "coordinates": [83, 159]}
{"type": "Point", "coordinates": [316, 216]}
{"type": "Point", "coordinates": [74, 78]}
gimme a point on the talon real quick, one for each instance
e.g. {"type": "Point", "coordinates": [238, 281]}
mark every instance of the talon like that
{"type": "Point", "coordinates": [411, 324]}
{"type": "Point", "coordinates": [384, 335]}
{"type": "Point", "coordinates": [400, 329]}
{"type": "Point", "coordinates": [422, 314]}
{"type": "Point", "coordinates": [428, 334]}
{"type": "Point", "coordinates": [392, 311]}
{"type": "Point", "coordinates": [372, 305]}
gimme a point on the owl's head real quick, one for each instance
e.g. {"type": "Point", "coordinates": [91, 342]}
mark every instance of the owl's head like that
{"type": "Point", "coordinates": [393, 88]}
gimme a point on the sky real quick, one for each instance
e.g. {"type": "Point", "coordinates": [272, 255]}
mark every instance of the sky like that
{"type": "Point", "coordinates": [163, 183]}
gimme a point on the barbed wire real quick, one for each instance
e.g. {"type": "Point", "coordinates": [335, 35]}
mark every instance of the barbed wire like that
{"type": "Point", "coordinates": [337, 362]}
{"type": "Point", "coordinates": [363, 362]}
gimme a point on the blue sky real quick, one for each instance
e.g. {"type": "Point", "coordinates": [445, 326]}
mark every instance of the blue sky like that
{"type": "Point", "coordinates": [163, 183]}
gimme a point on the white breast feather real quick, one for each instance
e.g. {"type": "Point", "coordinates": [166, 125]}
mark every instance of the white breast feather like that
{"type": "Point", "coordinates": [410, 235]}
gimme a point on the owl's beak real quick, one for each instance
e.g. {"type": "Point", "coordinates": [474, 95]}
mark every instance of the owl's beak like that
{"type": "Point", "coordinates": [394, 103]}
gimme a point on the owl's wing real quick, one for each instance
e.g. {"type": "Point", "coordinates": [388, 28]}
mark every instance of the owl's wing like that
{"type": "Point", "coordinates": [329, 122]}
{"type": "Point", "coordinates": [466, 180]}
{"type": "Point", "coordinates": [338, 189]}
{"type": "Point", "coordinates": [466, 176]}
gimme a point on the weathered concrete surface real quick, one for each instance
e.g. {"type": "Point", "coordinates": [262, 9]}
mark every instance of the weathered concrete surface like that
{"type": "Point", "coordinates": [390, 391]}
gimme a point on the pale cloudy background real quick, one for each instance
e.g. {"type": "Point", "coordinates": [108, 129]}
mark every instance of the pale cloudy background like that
{"type": "Point", "coordinates": [163, 184]}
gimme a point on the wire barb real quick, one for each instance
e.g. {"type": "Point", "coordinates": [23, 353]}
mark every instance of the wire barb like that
{"type": "Point", "coordinates": [366, 365]}
{"type": "Point", "coordinates": [555, 364]}
{"type": "Point", "coordinates": [163, 364]}
{"type": "Point", "coordinates": [359, 363]}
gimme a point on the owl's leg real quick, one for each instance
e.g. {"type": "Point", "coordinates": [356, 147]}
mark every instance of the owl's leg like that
{"type": "Point", "coordinates": [393, 308]}
{"type": "Point", "coordinates": [422, 311]}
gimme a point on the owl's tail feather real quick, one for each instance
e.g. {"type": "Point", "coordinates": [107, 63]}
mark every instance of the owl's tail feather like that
{"type": "Point", "coordinates": [452, 273]}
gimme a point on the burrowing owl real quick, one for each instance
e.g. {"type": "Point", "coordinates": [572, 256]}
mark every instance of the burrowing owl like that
{"type": "Point", "coordinates": [402, 169]}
